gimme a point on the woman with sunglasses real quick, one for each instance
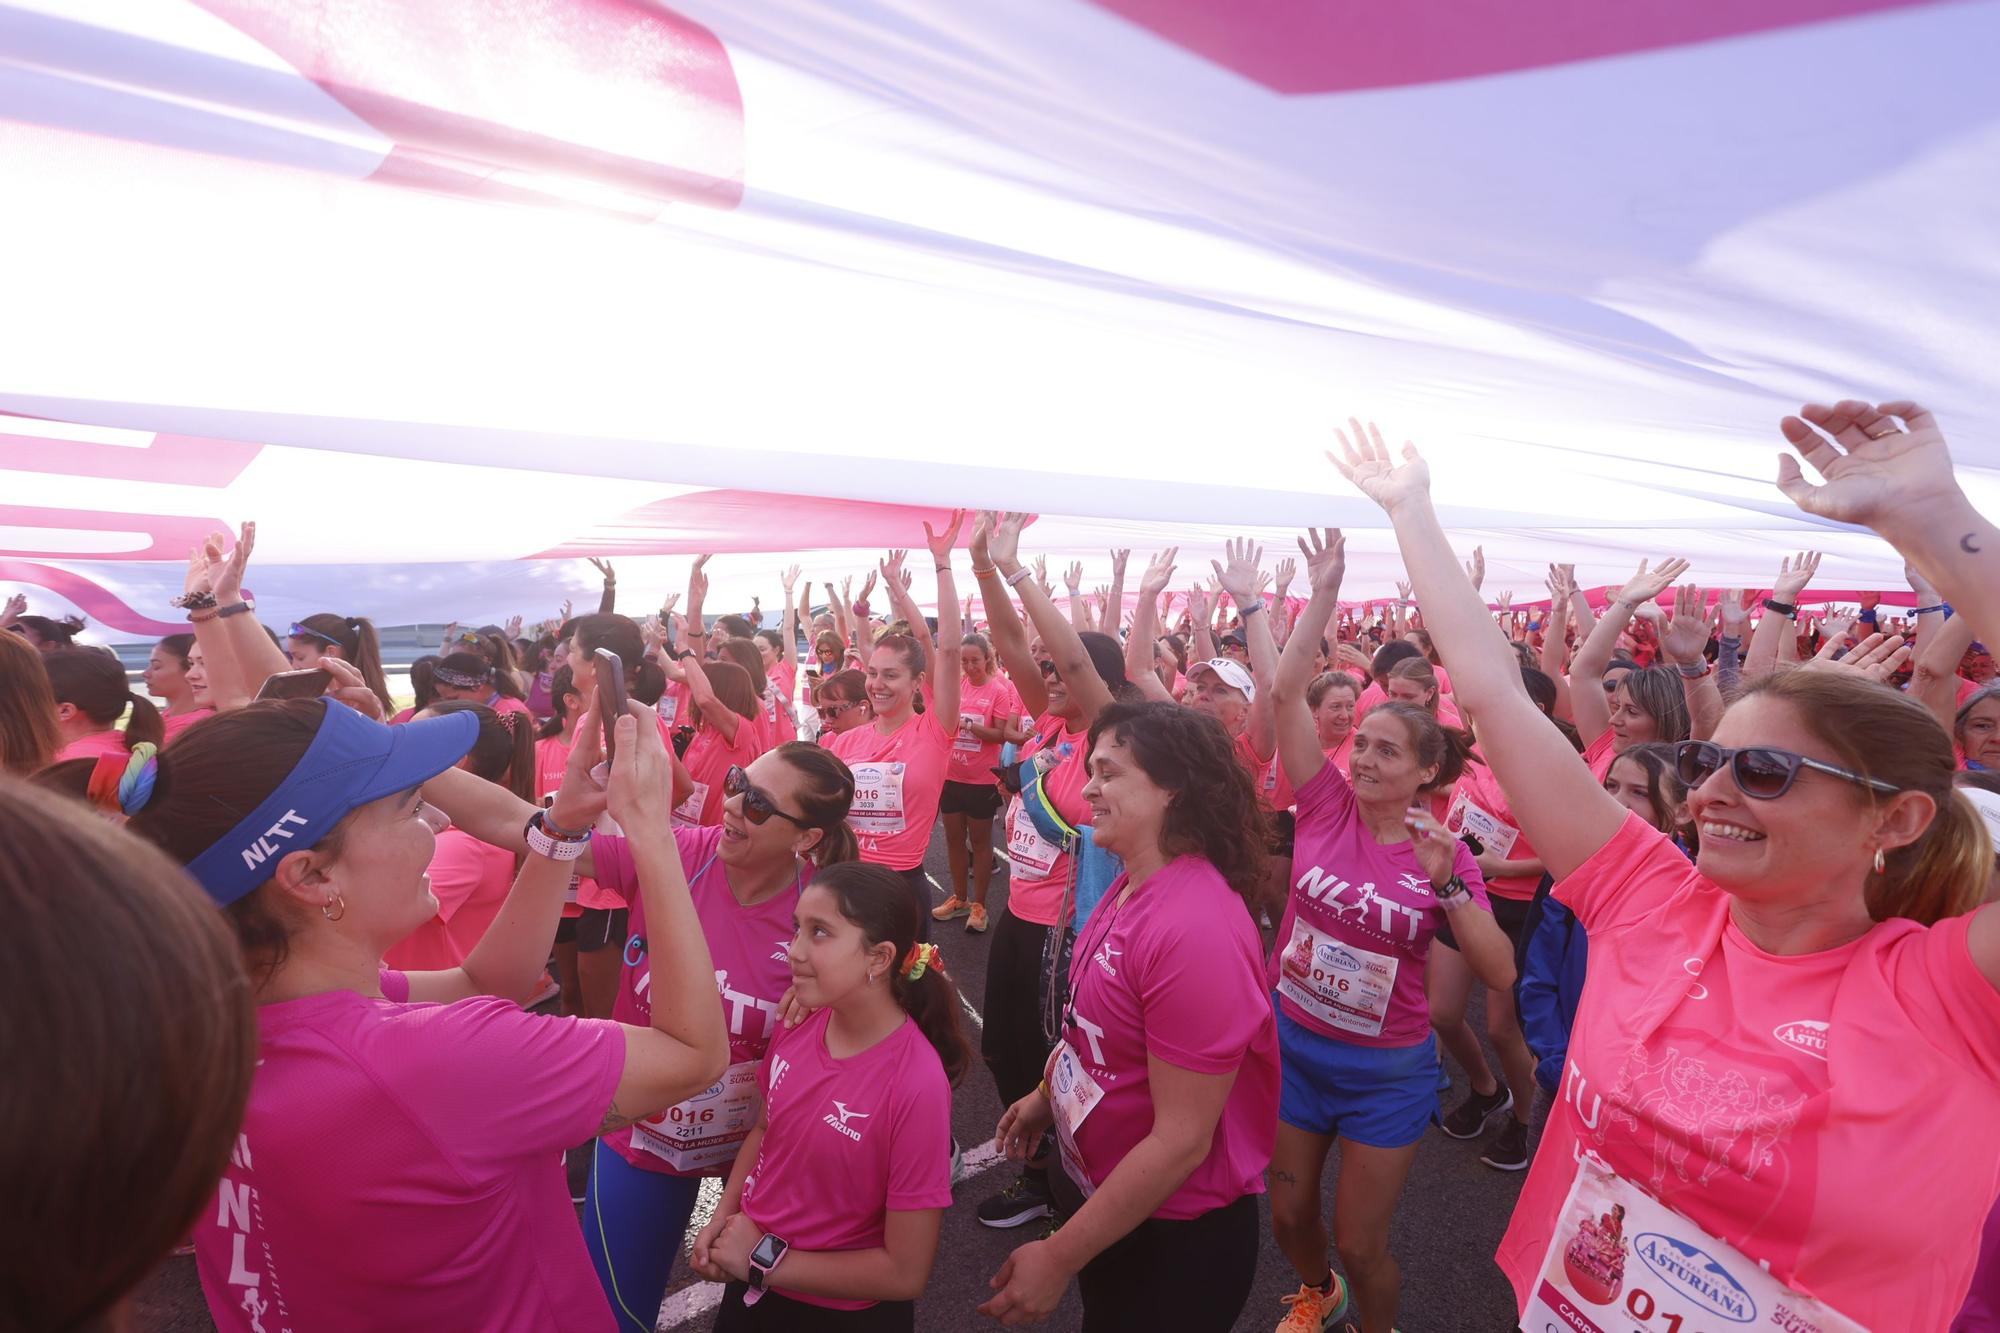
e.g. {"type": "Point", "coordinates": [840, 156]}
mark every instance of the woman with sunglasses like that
{"type": "Point", "coordinates": [350, 638]}
{"type": "Point", "coordinates": [841, 704]}
{"type": "Point", "coordinates": [899, 761]}
{"type": "Point", "coordinates": [783, 818]}
{"type": "Point", "coordinates": [1779, 1039]}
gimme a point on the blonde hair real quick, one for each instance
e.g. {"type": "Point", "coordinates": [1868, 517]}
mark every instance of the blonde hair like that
{"type": "Point", "coordinates": [1882, 734]}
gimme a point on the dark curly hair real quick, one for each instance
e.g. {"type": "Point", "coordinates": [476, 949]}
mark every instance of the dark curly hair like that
{"type": "Point", "coordinates": [1213, 811]}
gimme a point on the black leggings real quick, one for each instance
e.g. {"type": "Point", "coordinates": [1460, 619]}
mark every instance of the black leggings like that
{"type": "Point", "coordinates": [1011, 1041]}
{"type": "Point", "coordinates": [780, 1314]}
{"type": "Point", "coordinates": [1192, 1276]}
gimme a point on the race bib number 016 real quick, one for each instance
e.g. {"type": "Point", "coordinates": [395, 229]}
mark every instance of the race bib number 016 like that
{"type": "Point", "coordinates": [1622, 1262]}
{"type": "Point", "coordinates": [705, 1130]}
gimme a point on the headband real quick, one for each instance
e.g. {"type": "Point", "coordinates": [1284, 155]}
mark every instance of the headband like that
{"type": "Point", "coordinates": [463, 680]}
{"type": "Point", "coordinates": [920, 959]}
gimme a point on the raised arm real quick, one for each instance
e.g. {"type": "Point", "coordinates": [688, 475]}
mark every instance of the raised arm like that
{"type": "Point", "coordinates": [896, 581]}
{"type": "Point", "coordinates": [1064, 646]}
{"type": "Point", "coordinates": [713, 711]}
{"type": "Point", "coordinates": [1003, 622]}
{"type": "Point", "coordinates": [1298, 744]}
{"type": "Point", "coordinates": [788, 625]}
{"type": "Point", "coordinates": [1203, 630]}
{"type": "Point", "coordinates": [1555, 636]}
{"type": "Point", "coordinates": [1934, 676]}
{"type": "Point", "coordinates": [1079, 616]}
{"type": "Point", "coordinates": [1684, 641]}
{"type": "Point", "coordinates": [1140, 646]}
{"type": "Point", "coordinates": [1114, 601]}
{"type": "Point", "coordinates": [1560, 806]}
{"type": "Point", "coordinates": [1240, 578]}
{"type": "Point", "coordinates": [1776, 629]}
{"type": "Point", "coordinates": [951, 634]}
{"type": "Point", "coordinates": [1586, 681]}
{"type": "Point", "coordinates": [697, 624]}
{"type": "Point", "coordinates": [608, 601]}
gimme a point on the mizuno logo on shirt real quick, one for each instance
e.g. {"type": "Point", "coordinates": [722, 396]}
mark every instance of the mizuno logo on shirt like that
{"type": "Point", "coordinates": [845, 1115]}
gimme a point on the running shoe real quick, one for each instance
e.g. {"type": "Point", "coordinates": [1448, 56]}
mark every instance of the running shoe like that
{"type": "Point", "coordinates": [1469, 1118]}
{"type": "Point", "coordinates": [957, 1162]}
{"type": "Point", "coordinates": [975, 920]}
{"type": "Point", "coordinates": [950, 909]}
{"type": "Point", "coordinates": [1314, 1310]}
{"type": "Point", "coordinates": [1509, 1149]}
{"type": "Point", "coordinates": [1020, 1203]}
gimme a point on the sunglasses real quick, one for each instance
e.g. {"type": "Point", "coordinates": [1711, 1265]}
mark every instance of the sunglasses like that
{"type": "Point", "coordinates": [1759, 771]}
{"type": "Point", "coordinates": [301, 632]}
{"type": "Point", "coordinates": [829, 712]}
{"type": "Point", "coordinates": [468, 636]}
{"type": "Point", "coordinates": [757, 807]}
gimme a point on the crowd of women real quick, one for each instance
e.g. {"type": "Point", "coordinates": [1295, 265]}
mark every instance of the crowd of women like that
{"type": "Point", "coordinates": [328, 988]}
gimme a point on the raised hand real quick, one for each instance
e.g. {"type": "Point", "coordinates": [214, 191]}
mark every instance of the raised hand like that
{"type": "Point", "coordinates": [1794, 573]}
{"type": "Point", "coordinates": [565, 615]}
{"type": "Point", "coordinates": [942, 543]}
{"type": "Point", "coordinates": [1073, 577]}
{"type": "Point", "coordinates": [1732, 614]}
{"type": "Point", "coordinates": [982, 543]}
{"type": "Point", "coordinates": [1364, 461]}
{"type": "Point", "coordinates": [1159, 572]}
{"type": "Point", "coordinates": [1644, 587]}
{"type": "Point", "coordinates": [697, 584]}
{"type": "Point", "coordinates": [1404, 592]}
{"type": "Point", "coordinates": [604, 567]}
{"type": "Point", "coordinates": [1877, 657]}
{"type": "Point", "coordinates": [1685, 637]}
{"type": "Point", "coordinates": [867, 586]}
{"type": "Point", "coordinates": [17, 606]}
{"type": "Point", "coordinates": [1118, 559]}
{"type": "Point", "coordinates": [1505, 602]}
{"type": "Point", "coordinates": [1198, 604]}
{"type": "Point", "coordinates": [1325, 552]}
{"type": "Point", "coordinates": [1042, 575]}
{"type": "Point", "coordinates": [1885, 467]}
{"type": "Point", "coordinates": [513, 628]}
{"type": "Point", "coordinates": [1288, 569]}
{"type": "Point", "coordinates": [1927, 595]}
{"type": "Point", "coordinates": [673, 599]}
{"type": "Point", "coordinates": [1238, 578]}
{"type": "Point", "coordinates": [1475, 568]}
{"type": "Point", "coordinates": [1005, 541]}
{"type": "Point", "coordinates": [790, 578]}
{"type": "Point", "coordinates": [892, 571]}
{"type": "Point", "coordinates": [227, 573]}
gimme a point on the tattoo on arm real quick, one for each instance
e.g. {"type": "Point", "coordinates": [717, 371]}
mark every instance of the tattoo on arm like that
{"type": "Point", "coordinates": [1967, 545]}
{"type": "Point", "coordinates": [616, 1119]}
{"type": "Point", "coordinates": [1285, 1176]}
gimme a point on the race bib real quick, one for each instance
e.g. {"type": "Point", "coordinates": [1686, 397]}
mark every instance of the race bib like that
{"type": "Point", "coordinates": [1029, 854]}
{"type": "Point", "coordinates": [704, 1131]}
{"type": "Point", "coordinates": [1467, 816]}
{"type": "Point", "coordinates": [1342, 985]}
{"type": "Point", "coordinates": [878, 798]}
{"type": "Point", "coordinates": [1622, 1262]}
{"type": "Point", "coordinates": [689, 811]}
{"type": "Point", "coordinates": [1074, 1094]}
{"type": "Point", "coordinates": [965, 742]}
{"type": "Point", "coordinates": [669, 708]}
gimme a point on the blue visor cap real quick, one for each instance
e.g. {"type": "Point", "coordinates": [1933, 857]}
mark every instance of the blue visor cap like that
{"type": "Point", "coordinates": [351, 761]}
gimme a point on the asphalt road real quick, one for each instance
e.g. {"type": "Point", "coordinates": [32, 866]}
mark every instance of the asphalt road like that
{"type": "Point", "coordinates": [1453, 1212]}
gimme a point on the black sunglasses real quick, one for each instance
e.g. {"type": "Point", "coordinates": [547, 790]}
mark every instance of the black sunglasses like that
{"type": "Point", "coordinates": [828, 712]}
{"type": "Point", "coordinates": [1759, 771]}
{"type": "Point", "coordinates": [1048, 668]}
{"type": "Point", "coordinates": [757, 807]}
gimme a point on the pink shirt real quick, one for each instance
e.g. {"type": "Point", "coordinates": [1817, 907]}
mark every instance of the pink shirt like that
{"type": "Point", "coordinates": [1175, 971]}
{"type": "Point", "coordinates": [1835, 1116]}
{"type": "Point", "coordinates": [551, 764]}
{"type": "Point", "coordinates": [896, 794]}
{"type": "Point", "coordinates": [1600, 755]}
{"type": "Point", "coordinates": [1358, 913]}
{"type": "Point", "coordinates": [1038, 870]}
{"type": "Point", "coordinates": [94, 746]}
{"type": "Point", "coordinates": [471, 880]}
{"type": "Point", "coordinates": [401, 1167]}
{"type": "Point", "coordinates": [1478, 804]}
{"type": "Point", "coordinates": [749, 946]}
{"type": "Point", "coordinates": [503, 704]}
{"type": "Point", "coordinates": [847, 1141]}
{"type": "Point", "coordinates": [709, 757]}
{"type": "Point", "coordinates": [988, 705]}
{"type": "Point", "coordinates": [1447, 714]}
{"type": "Point", "coordinates": [176, 723]}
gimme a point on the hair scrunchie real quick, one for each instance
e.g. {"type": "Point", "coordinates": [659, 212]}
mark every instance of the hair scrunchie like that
{"type": "Point", "coordinates": [123, 783]}
{"type": "Point", "coordinates": [920, 959]}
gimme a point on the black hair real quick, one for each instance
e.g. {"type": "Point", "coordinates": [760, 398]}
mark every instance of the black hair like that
{"type": "Point", "coordinates": [561, 685]}
{"type": "Point", "coordinates": [422, 680]}
{"type": "Point", "coordinates": [1212, 810]}
{"type": "Point", "coordinates": [1388, 655]}
{"type": "Point", "coordinates": [92, 680]}
{"type": "Point", "coordinates": [178, 646]}
{"type": "Point", "coordinates": [358, 643]}
{"type": "Point", "coordinates": [504, 751]}
{"type": "Point", "coordinates": [1432, 742]}
{"type": "Point", "coordinates": [55, 633]}
{"type": "Point", "coordinates": [877, 900]}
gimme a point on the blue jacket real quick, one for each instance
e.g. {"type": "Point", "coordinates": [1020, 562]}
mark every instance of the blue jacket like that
{"type": "Point", "coordinates": [1551, 986]}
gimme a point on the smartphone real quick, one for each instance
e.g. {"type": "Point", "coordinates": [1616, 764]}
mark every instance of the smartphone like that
{"type": "Point", "coordinates": [610, 670]}
{"type": "Point", "coordinates": [308, 684]}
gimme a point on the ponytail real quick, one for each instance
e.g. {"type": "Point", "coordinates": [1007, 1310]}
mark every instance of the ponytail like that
{"type": "Point", "coordinates": [1434, 743]}
{"type": "Point", "coordinates": [520, 777]}
{"type": "Point", "coordinates": [877, 900]}
{"type": "Point", "coordinates": [145, 726]}
{"type": "Point", "coordinates": [359, 646]}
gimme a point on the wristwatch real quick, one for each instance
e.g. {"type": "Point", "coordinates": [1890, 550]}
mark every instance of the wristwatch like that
{"type": "Point", "coordinates": [763, 1259]}
{"type": "Point", "coordinates": [1453, 895]}
{"type": "Point", "coordinates": [542, 842]}
{"type": "Point", "coordinates": [1785, 609]}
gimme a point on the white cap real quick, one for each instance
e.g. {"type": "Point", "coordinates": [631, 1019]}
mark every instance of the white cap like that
{"type": "Point", "coordinates": [1232, 673]}
{"type": "Point", "coordinates": [1988, 805]}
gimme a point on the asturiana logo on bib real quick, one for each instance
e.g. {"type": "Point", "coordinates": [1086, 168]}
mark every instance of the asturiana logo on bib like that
{"type": "Point", "coordinates": [1332, 955]}
{"type": "Point", "coordinates": [1804, 1034]}
{"type": "Point", "coordinates": [1698, 1275]}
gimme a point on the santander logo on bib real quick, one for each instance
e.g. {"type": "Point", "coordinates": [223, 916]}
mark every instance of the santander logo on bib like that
{"type": "Point", "coordinates": [1804, 1034]}
{"type": "Point", "coordinates": [1697, 1275]}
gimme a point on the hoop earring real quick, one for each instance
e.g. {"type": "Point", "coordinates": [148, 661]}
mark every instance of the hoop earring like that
{"type": "Point", "coordinates": [328, 908]}
{"type": "Point", "coordinates": [1881, 862]}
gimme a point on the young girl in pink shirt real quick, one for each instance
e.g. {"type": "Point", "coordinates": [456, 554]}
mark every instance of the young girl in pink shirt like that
{"type": "Point", "coordinates": [837, 1196]}
{"type": "Point", "coordinates": [1786, 1066]}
